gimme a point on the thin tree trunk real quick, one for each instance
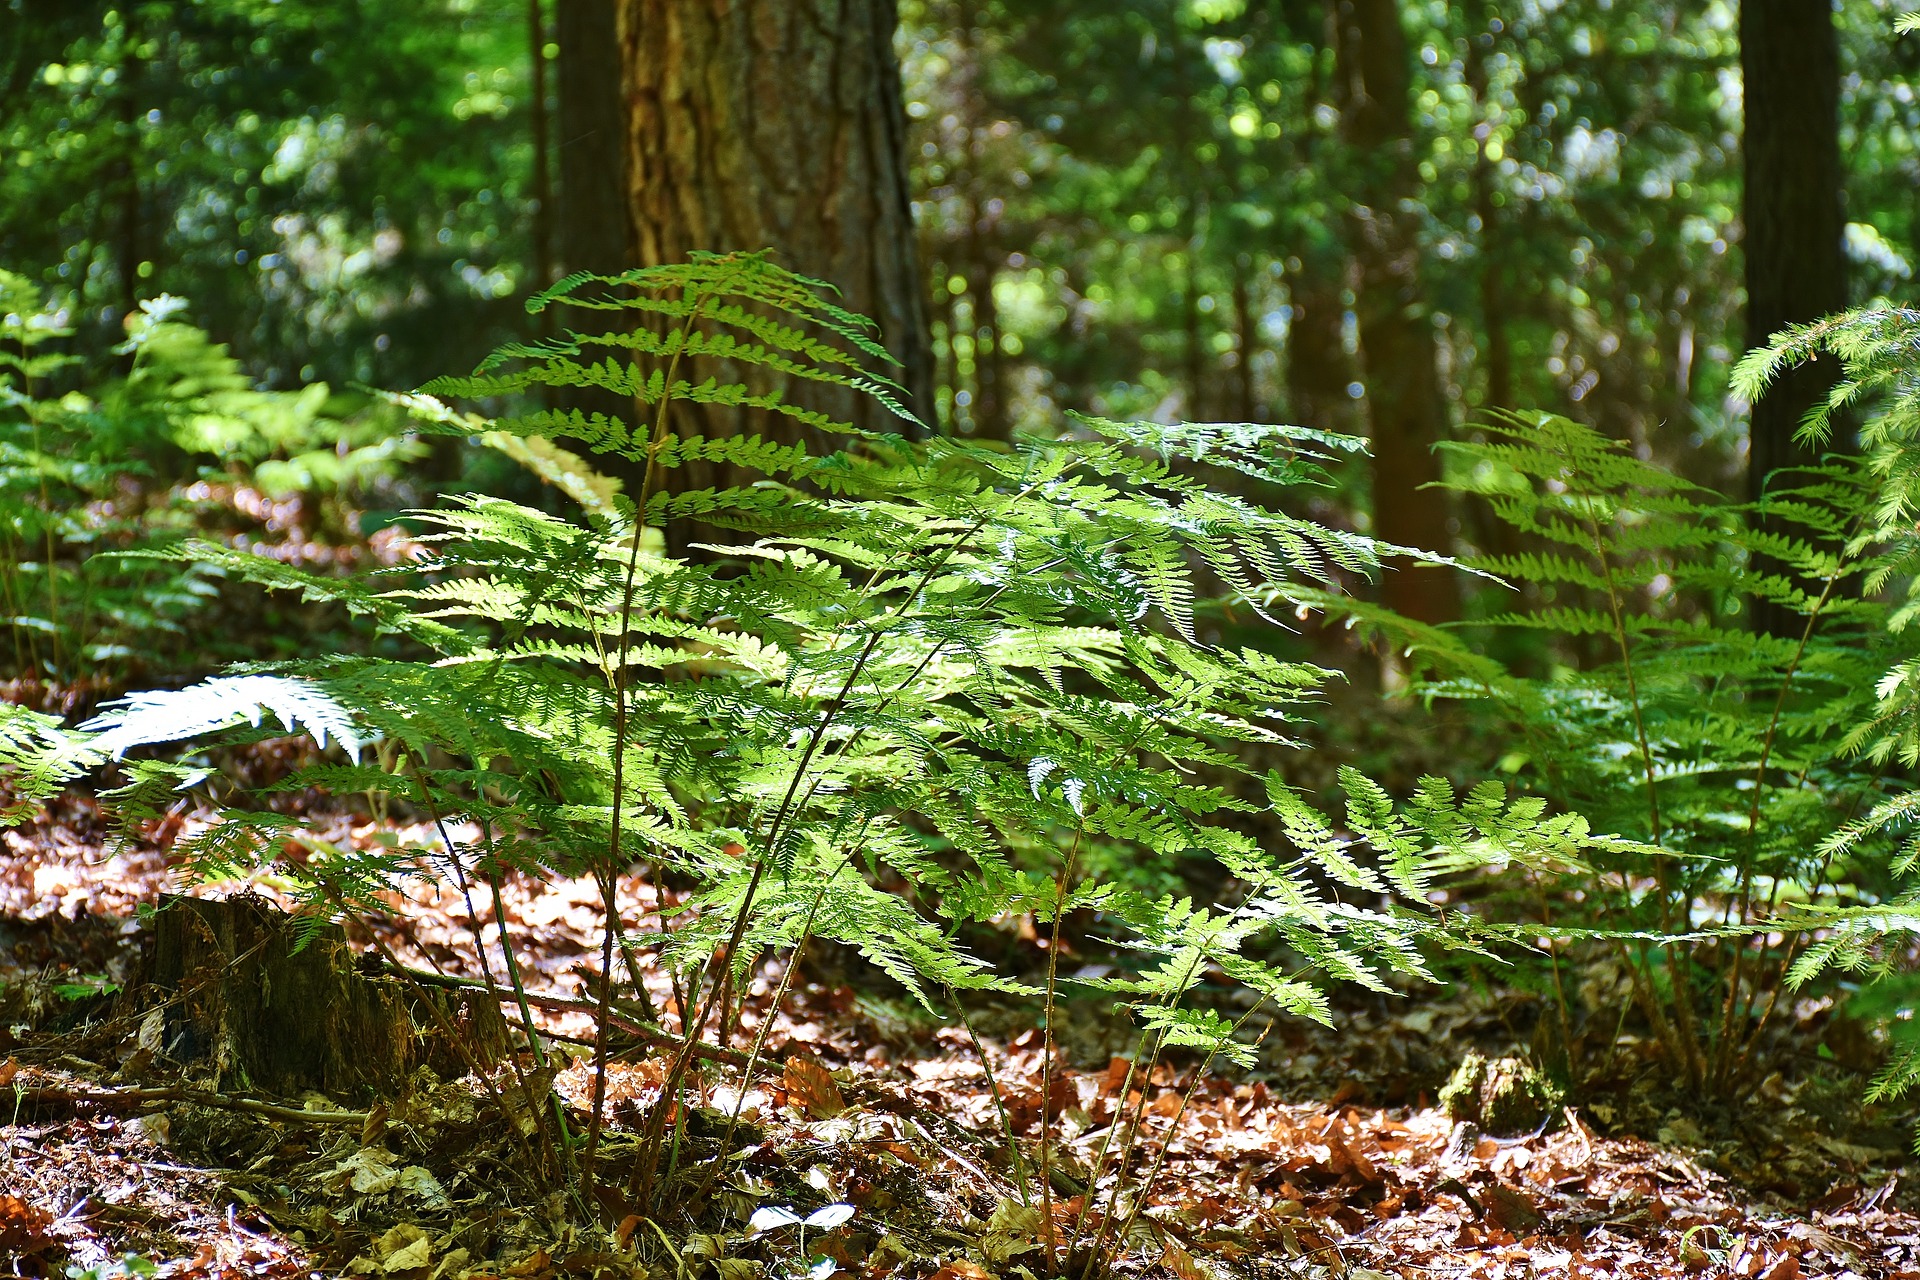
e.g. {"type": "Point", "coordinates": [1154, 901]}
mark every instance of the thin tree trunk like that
{"type": "Point", "coordinates": [1404, 401]}
{"type": "Point", "coordinates": [1318, 367]}
{"type": "Point", "coordinates": [542, 148]}
{"type": "Point", "coordinates": [1245, 341]}
{"type": "Point", "coordinates": [988, 412]}
{"type": "Point", "coordinates": [779, 124]}
{"type": "Point", "coordinates": [128, 241]}
{"type": "Point", "coordinates": [1792, 205]}
{"type": "Point", "coordinates": [1496, 345]}
{"type": "Point", "coordinates": [592, 151]}
{"type": "Point", "coordinates": [1194, 354]}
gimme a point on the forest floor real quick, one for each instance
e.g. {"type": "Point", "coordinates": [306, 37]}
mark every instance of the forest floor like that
{"type": "Point", "coordinates": [1328, 1159]}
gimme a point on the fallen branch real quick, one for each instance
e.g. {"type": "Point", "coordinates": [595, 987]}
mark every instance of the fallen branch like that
{"type": "Point", "coordinates": [134, 1099]}
{"type": "Point", "coordinates": [626, 1022]}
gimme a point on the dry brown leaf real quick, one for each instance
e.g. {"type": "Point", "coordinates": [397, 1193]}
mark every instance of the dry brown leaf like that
{"type": "Point", "coordinates": [537, 1263]}
{"type": "Point", "coordinates": [811, 1086]}
{"type": "Point", "coordinates": [961, 1269]}
{"type": "Point", "coordinates": [23, 1228]}
{"type": "Point", "coordinates": [8, 1070]}
{"type": "Point", "coordinates": [1511, 1210]}
{"type": "Point", "coordinates": [1181, 1263]}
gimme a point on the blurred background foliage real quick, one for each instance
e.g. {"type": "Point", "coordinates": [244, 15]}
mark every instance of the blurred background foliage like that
{"type": "Point", "coordinates": [340, 189]}
{"type": "Point", "coordinates": [1132, 209]}
{"type": "Point", "coordinates": [1165, 209]}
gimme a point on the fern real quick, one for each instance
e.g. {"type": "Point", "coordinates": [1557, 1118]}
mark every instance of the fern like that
{"type": "Point", "coordinates": [964, 671]}
{"type": "Point", "coordinates": [148, 718]}
{"type": "Point", "coordinates": [1725, 761]}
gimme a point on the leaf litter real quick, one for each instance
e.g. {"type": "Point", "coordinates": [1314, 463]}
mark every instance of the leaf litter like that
{"type": "Point", "coordinates": [871, 1143]}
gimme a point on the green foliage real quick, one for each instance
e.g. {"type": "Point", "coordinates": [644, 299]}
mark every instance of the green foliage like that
{"type": "Point", "coordinates": [336, 213]}
{"type": "Point", "coordinates": [173, 441]}
{"type": "Point", "coordinates": [1727, 759]}
{"type": "Point", "coordinates": [921, 683]}
{"type": "Point", "coordinates": [1871, 935]}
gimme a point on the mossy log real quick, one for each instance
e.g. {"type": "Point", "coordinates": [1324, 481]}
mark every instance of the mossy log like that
{"type": "Point", "coordinates": [232, 988]}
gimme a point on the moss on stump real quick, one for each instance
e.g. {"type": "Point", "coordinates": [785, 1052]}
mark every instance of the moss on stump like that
{"type": "Point", "coordinates": [236, 992]}
{"type": "Point", "coordinates": [1506, 1097]}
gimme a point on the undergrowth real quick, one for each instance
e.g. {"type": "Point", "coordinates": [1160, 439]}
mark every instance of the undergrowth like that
{"type": "Point", "coordinates": [906, 687]}
{"type": "Point", "coordinates": [162, 438]}
{"type": "Point", "coordinates": [1759, 775]}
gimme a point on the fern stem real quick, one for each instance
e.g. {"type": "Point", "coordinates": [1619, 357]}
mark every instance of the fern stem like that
{"type": "Point", "coordinates": [620, 682]}
{"type": "Point", "coordinates": [1049, 1235]}
{"type": "Point", "coordinates": [1177, 991]}
{"type": "Point", "coordinates": [1725, 1055]}
{"type": "Point", "coordinates": [480, 949]}
{"type": "Point", "coordinates": [1160, 1157]}
{"type": "Point", "coordinates": [776, 828]}
{"type": "Point", "coordinates": [446, 1029]}
{"type": "Point", "coordinates": [1679, 970]}
{"type": "Point", "coordinates": [1022, 1179]}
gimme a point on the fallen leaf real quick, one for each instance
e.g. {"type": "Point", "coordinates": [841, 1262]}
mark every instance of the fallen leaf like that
{"type": "Point", "coordinates": [417, 1254]}
{"type": "Point", "coordinates": [1511, 1210]}
{"type": "Point", "coordinates": [1181, 1263]}
{"type": "Point", "coordinates": [23, 1227]}
{"type": "Point", "coordinates": [536, 1263]}
{"type": "Point", "coordinates": [961, 1269]}
{"type": "Point", "coordinates": [1788, 1268]}
{"type": "Point", "coordinates": [809, 1084]}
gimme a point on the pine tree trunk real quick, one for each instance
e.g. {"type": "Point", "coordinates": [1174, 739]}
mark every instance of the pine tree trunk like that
{"type": "Point", "coordinates": [779, 124]}
{"type": "Point", "coordinates": [235, 993]}
{"type": "Point", "coordinates": [591, 232]}
{"type": "Point", "coordinates": [1398, 351]}
{"type": "Point", "coordinates": [1318, 367]}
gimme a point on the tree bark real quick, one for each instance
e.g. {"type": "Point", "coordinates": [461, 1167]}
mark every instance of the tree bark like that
{"type": "Point", "coordinates": [1246, 341]}
{"type": "Point", "coordinates": [1398, 351]}
{"type": "Point", "coordinates": [779, 123]}
{"type": "Point", "coordinates": [1319, 369]}
{"type": "Point", "coordinates": [1792, 206]}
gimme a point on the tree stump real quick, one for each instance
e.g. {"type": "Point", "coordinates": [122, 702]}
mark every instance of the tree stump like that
{"type": "Point", "coordinates": [235, 990]}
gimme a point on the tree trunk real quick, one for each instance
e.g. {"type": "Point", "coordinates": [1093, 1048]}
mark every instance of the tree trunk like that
{"type": "Point", "coordinates": [1246, 340]}
{"type": "Point", "coordinates": [1318, 367]}
{"type": "Point", "coordinates": [243, 997]}
{"type": "Point", "coordinates": [591, 232]}
{"type": "Point", "coordinates": [1792, 205]}
{"type": "Point", "coordinates": [1398, 352]}
{"type": "Point", "coordinates": [542, 152]}
{"type": "Point", "coordinates": [779, 123]}
{"type": "Point", "coordinates": [592, 227]}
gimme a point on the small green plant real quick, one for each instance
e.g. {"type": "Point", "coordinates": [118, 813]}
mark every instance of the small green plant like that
{"type": "Point", "coordinates": [131, 1267]}
{"type": "Point", "coordinates": [1748, 772]}
{"type": "Point", "coordinates": [169, 439]}
{"type": "Point", "coordinates": [805, 1266]}
{"type": "Point", "coordinates": [901, 689]}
